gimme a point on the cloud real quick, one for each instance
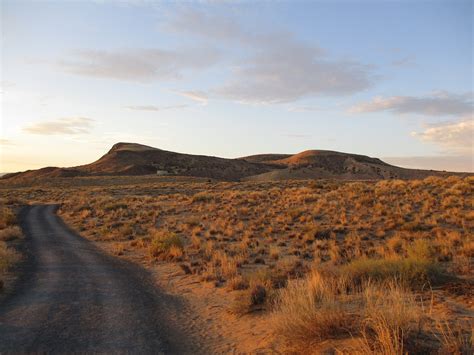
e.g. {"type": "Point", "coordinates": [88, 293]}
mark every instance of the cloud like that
{"type": "Point", "coordinates": [156, 108]}
{"type": "Point", "coordinates": [205, 24]}
{"type": "Point", "coordinates": [279, 67]}
{"type": "Point", "coordinates": [4, 141]}
{"type": "Point", "coordinates": [304, 109]}
{"type": "Point", "coordinates": [438, 104]}
{"type": "Point", "coordinates": [5, 86]}
{"type": "Point", "coordinates": [272, 77]}
{"type": "Point", "coordinates": [138, 65]}
{"type": "Point", "coordinates": [294, 135]}
{"type": "Point", "coordinates": [70, 125]}
{"type": "Point", "coordinates": [405, 61]}
{"type": "Point", "coordinates": [453, 136]}
{"type": "Point", "coordinates": [197, 96]}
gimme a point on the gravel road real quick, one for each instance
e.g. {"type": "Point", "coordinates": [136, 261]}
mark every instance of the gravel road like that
{"type": "Point", "coordinates": [74, 298]}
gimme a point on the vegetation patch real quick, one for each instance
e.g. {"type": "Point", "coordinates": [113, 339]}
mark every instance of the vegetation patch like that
{"type": "Point", "coordinates": [165, 245]}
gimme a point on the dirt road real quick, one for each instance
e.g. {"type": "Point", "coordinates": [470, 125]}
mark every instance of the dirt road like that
{"type": "Point", "coordinates": [74, 298]}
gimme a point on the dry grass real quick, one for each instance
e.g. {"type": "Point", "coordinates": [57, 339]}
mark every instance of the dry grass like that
{"type": "Point", "coordinates": [360, 236]}
{"type": "Point", "coordinates": [314, 309]}
{"type": "Point", "coordinates": [8, 257]}
{"type": "Point", "coordinates": [454, 338]}
{"type": "Point", "coordinates": [165, 245]}
{"type": "Point", "coordinates": [411, 271]}
{"type": "Point", "coordinates": [7, 217]}
{"type": "Point", "coordinates": [10, 234]}
{"type": "Point", "coordinates": [392, 320]}
{"type": "Point", "coordinates": [382, 318]}
{"type": "Point", "coordinates": [257, 295]}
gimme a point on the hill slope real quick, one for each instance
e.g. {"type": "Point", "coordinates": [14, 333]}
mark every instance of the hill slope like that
{"type": "Point", "coordinates": [138, 159]}
{"type": "Point", "coordinates": [325, 164]}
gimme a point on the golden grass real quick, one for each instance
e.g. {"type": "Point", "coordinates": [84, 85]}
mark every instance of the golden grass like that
{"type": "Point", "coordinates": [454, 338]}
{"type": "Point", "coordinates": [165, 245]}
{"type": "Point", "coordinates": [7, 217]}
{"type": "Point", "coordinates": [8, 257]}
{"type": "Point", "coordinates": [10, 233]}
{"type": "Point", "coordinates": [383, 318]}
{"type": "Point", "coordinates": [416, 272]}
{"type": "Point", "coordinates": [392, 320]}
{"type": "Point", "coordinates": [314, 309]}
{"type": "Point", "coordinates": [371, 242]}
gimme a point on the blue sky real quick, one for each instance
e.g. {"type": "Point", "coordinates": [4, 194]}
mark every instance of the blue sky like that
{"type": "Point", "coordinates": [391, 79]}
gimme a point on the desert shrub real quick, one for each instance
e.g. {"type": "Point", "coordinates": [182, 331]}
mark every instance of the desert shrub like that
{"type": "Point", "coordinates": [462, 265]}
{"type": "Point", "coordinates": [165, 244]}
{"type": "Point", "coordinates": [420, 249]}
{"type": "Point", "coordinates": [316, 184]}
{"type": "Point", "coordinates": [238, 283]}
{"type": "Point", "coordinates": [114, 206]}
{"type": "Point", "coordinates": [453, 338]}
{"type": "Point", "coordinates": [7, 217]}
{"type": "Point", "coordinates": [253, 299]}
{"type": "Point", "coordinates": [391, 320]}
{"type": "Point", "coordinates": [118, 249]}
{"type": "Point", "coordinates": [295, 212]}
{"type": "Point", "coordinates": [202, 197]}
{"type": "Point", "coordinates": [383, 317]}
{"type": "Point", "coordinates": [192, 221]}
{"type": "Point", "coordinates": [175, 252]}
{"type": "Point", "coordinates": [411, 271]}
{"type": "Point", "coordinates": [8, 257]}
{"type": "Point", "coordinates": [196, 242]}
{"type": "Point", "coordinates": [258, 294]}
{"type": "Point", "coordinates": [274, 252]}
{"type": "Point", "coordinates": [10, 233]}
{"type": "Point", "coordinates": [313, 309]}
{"type": "Point", "coordinates": [414, 226]}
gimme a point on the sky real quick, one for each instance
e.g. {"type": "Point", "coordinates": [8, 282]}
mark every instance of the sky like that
{"type": "Point", "coordinates": [387, 79]}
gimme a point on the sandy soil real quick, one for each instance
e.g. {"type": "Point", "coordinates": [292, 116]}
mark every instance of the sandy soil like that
{"type": "Point", "coordinates": [205, 312]}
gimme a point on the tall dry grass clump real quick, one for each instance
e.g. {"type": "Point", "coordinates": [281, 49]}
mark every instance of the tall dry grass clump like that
{"type": "Point", "coordinates": [7, 217]}
{"type": "Point", "coordinates": [316, 308]}
{"type": "Point", "coordinates": [454, 339]}
{"type": "Point", "coordinates": [391, 320]}
{"type": "Point", "coordinates": [418, 269]}
{"type": "Point", "coordinates": [8, 257]}
{"type": "Point", "coordinates": [10, 233]}
{"type": "Point", "coordinates": [383, 317]}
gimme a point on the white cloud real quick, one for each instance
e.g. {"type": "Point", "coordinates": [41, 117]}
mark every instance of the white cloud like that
{"type": "Point", "coordinates": [204, 24]}
{"type": "Point", "coordinates": [198, 96]}
{"type": "Point", "coordinates": [4, 141]}
{"type": "Point", "coordinates": [305, 109]}
{"type": "Point", "coordinates": [453, 136]}
{"type": "Point", "coordinates": [405, 61]}
{"type": "Point", "coordinates": [279, 68]}
{"type": "Point", "coordinates": [297, 135]}
{"type": "Point", "coordinates": [67, 126]}
{"type": "Point", "coordinates": [276, 77]}
{"type": "Point", "coordinates": [156, 108]}
{"type": "Point", "coordinates": [138, 65]}
{"type": "Point", "coordinates": [437, 104]}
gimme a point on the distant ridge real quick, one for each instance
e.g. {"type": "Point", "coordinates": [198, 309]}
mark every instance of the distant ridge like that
{"type": "Point", "coordinates": [138, 159]}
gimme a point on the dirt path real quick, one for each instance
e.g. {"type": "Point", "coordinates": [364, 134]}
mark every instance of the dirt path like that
{"type": "Point", "coordinates": [73, 297]}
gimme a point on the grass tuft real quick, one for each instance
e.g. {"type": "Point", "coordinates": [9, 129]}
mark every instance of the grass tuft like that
{"type": "Point", "coordinates": [165, 245]}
